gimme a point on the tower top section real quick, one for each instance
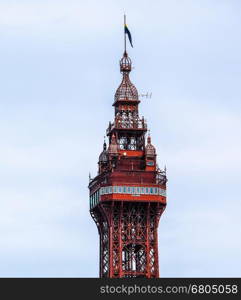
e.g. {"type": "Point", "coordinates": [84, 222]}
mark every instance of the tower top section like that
{"type": "Point", "coordinates": [126, 91]}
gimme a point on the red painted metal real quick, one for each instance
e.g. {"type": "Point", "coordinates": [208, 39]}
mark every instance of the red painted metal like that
{"type": "Point", "coordinates": [127, 197]}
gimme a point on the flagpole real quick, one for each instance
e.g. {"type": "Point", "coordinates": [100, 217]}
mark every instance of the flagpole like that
{"type": "Point", "coordinates": [124, 33]}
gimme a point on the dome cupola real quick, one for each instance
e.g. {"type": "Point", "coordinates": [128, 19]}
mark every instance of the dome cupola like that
{"type": "Point", "coordinates": [103, 158]}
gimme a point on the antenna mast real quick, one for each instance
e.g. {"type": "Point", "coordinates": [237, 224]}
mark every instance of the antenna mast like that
{"type": "Point", "coordinates": [124, 33]}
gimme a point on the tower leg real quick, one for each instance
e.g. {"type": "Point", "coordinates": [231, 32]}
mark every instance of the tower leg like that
{"type": "Point", "coordinates": [128, 239]}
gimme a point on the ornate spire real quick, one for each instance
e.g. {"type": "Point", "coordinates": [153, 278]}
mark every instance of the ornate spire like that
{"type": "Point", "coordinates": [113, 147]}
{"type": "Point", "coordinates": [150, 149]}
{"type": "Point", "coordinates": [104, 145]}
{"type": "Point", "coordinates": [103, 158]}
{"type": "Point", "coordinates": [126, 91]}
{"type": "Point", "coordinates": [149, 137]}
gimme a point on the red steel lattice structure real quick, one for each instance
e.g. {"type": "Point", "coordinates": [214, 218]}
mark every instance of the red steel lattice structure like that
{"type": "Point", "coordinates": [128, 195]}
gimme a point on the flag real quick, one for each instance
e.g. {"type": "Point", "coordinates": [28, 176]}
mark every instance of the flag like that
{"type": "Point", "coordinates": [127, 31]}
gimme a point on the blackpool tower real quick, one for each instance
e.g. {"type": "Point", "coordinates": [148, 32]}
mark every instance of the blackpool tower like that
{"type": "Point", "coordinates": [128, 195]}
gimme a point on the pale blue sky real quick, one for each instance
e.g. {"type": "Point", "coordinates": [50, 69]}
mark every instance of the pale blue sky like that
{"type": "Point", "coordinates": [59, 72]}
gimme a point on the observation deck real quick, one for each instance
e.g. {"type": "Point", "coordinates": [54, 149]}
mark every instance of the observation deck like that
{"type": "Point", "coordinates": [138, 124]}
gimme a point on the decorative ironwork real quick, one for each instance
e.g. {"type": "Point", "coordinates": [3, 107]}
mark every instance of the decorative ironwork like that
{"type": "Point", "coordinates": [127, 122]}
{"type": "Point", "coordinates": [161, 177]}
